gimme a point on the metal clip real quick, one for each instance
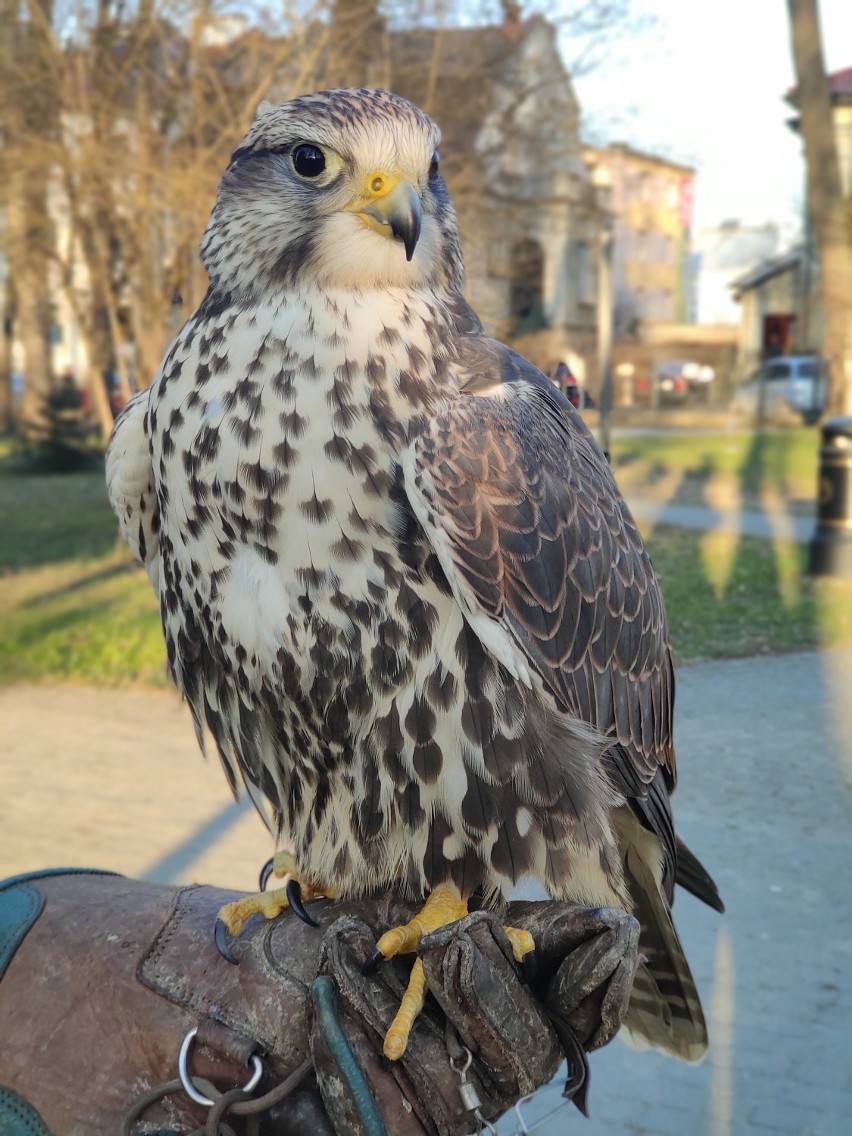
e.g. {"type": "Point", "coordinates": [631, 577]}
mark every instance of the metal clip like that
{"type": "Point", "coordinates": [469, 1095]}
{"type": "Point", "coordinates": [534, 1125]}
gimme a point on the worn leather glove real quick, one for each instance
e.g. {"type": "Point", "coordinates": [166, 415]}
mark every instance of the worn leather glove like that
{"type": "Point", "coordinates": [508, 1037]}
{"type": "Point", "coordinates": [102, 978]}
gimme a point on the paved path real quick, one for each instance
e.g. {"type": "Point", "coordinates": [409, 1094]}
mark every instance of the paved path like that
{"type": "Point", "coordinates": [750, 522]}
{"type": "Point", "coordinates": [113, 779]}
{"type": "Point", "coordinates": [765, 798]}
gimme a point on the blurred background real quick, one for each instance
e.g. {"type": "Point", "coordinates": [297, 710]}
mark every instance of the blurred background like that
{"type": "Point", "coordinates": [629, 176]}
{"type": "Point", "coordinates": [655, 201]}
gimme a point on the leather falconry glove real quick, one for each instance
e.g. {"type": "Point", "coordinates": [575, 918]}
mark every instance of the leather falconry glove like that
{"type": "Point", "coordinates": [103, 978]}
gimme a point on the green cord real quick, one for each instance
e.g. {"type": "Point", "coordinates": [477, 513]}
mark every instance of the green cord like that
{"type": "Point", "coordinates": [324, 994]}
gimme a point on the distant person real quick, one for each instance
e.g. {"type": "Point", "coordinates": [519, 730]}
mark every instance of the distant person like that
{"type": "Point", "coordinates": [565, 380]}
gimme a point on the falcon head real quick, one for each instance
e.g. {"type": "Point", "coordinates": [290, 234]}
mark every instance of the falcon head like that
{"type": "Point", "coordinates": [339, 188]}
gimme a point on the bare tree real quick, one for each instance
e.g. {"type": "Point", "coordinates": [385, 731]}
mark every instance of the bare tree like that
{"type": "Point", "coordinates": [116, 132]}
{"type": "Point", "coordinates": [829, 211]}
{"type": "Point", "coordinates": [151, 108]}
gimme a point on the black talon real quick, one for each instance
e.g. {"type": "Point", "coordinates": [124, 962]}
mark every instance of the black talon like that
{"type": "Point", "coordinates": [223, 939]}
{"type": "Point", "coordinates": [529, 968]}
{"type": "Point", "coordinates": [372, 962]}
{"type": "Point", "coordinates": [265, 873]}
{"type": "Point", "coordinates": [294, 898]}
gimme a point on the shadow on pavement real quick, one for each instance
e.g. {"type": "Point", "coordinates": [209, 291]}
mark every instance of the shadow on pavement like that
{"type": "Point", "coordinates": [169, 867]}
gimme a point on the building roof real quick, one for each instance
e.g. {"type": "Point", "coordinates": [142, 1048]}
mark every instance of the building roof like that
{"type": "Point", "coordinates": [841, 82]}
{"type": "Point", "coordinates": [630, 153]}
{"type": "Point", "coordinates": [766, 270]}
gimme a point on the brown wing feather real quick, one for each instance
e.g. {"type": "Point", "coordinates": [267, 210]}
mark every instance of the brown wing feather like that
{"type": "Point", "coordinates": [541, 536]}
{"type": "Point", "coordinates": [527, 521]}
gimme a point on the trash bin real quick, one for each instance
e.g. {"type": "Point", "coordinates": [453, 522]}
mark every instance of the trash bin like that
{"type": "Point", "coordinates": [831, 545]}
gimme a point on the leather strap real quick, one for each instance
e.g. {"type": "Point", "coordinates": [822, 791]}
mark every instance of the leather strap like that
{"type": "Point", "coordinates": [20, 906]}
{"type": "Point", "coordinates": [17, 1118]}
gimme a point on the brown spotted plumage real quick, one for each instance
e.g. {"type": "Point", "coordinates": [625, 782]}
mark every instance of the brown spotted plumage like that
{"type": "Point", "coordinates": [397, 581]}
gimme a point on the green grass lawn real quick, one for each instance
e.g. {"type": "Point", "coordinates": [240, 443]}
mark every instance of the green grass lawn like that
{"type": "Point", "coordinates": [73, 606]}
{"type": "Point", "coordinates": [729, 596]}
{"type": "Point", "coordinates": [72, 603]}
{"type": "Point", "coordinates": [741, 463]}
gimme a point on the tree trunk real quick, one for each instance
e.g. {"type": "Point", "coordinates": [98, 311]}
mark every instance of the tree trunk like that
{"type": "Point", "coordinates": [30, 130]}
{"type": "Point", "coordinates": [826, 203]}
{"type": "Point", "coordinates": [9, 26]}
{"type": "Point", "coordinates": [7, 410]}
{"type": "Point", "coordinates": [356, 35]}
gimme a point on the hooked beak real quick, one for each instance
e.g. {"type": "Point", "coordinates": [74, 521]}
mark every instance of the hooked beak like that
{"type": "Point", "coordinates": [397, 213]}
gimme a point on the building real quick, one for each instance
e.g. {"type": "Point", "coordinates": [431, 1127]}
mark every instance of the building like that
{"type": "Point", "coordinates": [652, 211]}
{"type": "Point", "coordinates": [511, 155]}
{"type": "Point", "coordinates": [780, 298]}
{"type": "Point", "coordinates": [780, 312]}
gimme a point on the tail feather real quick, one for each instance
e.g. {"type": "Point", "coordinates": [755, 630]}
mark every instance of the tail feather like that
{"type": "Point", "coordinates": [665, 1009]}
{"type": "Point", "coordinates": [692, 875]}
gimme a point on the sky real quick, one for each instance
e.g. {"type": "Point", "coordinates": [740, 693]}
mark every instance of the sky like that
{"type": "Point", "coordinates": [706, 86]}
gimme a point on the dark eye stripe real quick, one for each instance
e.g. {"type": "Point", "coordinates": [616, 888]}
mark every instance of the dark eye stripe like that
{"type": "Point", "coordinates": [246, 152]}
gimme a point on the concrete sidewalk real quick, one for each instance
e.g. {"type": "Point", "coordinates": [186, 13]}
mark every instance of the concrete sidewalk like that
{"type": "Point", "coordinates": [113, 779]}
{"type": "Point", "coordinates": [771, 524]}
{"type": "Point", "coordinates": [765, 799]}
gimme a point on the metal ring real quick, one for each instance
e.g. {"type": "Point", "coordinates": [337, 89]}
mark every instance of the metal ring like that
{"type": "Point", "coordinates": [186, 1080]}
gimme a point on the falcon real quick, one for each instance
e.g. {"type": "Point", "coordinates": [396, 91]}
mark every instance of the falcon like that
{"type": "Point", "coordinates": [397, 581]}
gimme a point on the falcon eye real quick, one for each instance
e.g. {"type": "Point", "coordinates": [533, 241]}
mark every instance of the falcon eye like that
{"type": "Point", "coordinates": [308, 160]}
{"type": "Point", "coordinates": [434, 165]}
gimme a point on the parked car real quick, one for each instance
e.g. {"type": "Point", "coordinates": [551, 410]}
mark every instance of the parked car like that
{"type": "Point", "coordinates": [793, 387]}
{"type": "Point", "coordinates": [680, 379]}
{"type": "Point", "coordinates": [675, 382]}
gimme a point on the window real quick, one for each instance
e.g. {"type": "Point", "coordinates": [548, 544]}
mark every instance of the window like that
{"type": "Point", "coordinates": [526, 307]}
{"type": "Point", "coordinates": [584, 274]}
{"type": "Point", "coordinates": [777, 372]}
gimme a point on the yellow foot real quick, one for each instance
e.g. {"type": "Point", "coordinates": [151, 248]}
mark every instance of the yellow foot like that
{"type": "Point", "coordinates": [283, 864]}
{"type": "Point", "coordinates": [443, 906]}
{"type": "Point", "coordinates": [267, 903]}
{"type": "Point", "coordinates": [521, 941]}
{"type": "Point", "coordinates": [399, 1031]}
